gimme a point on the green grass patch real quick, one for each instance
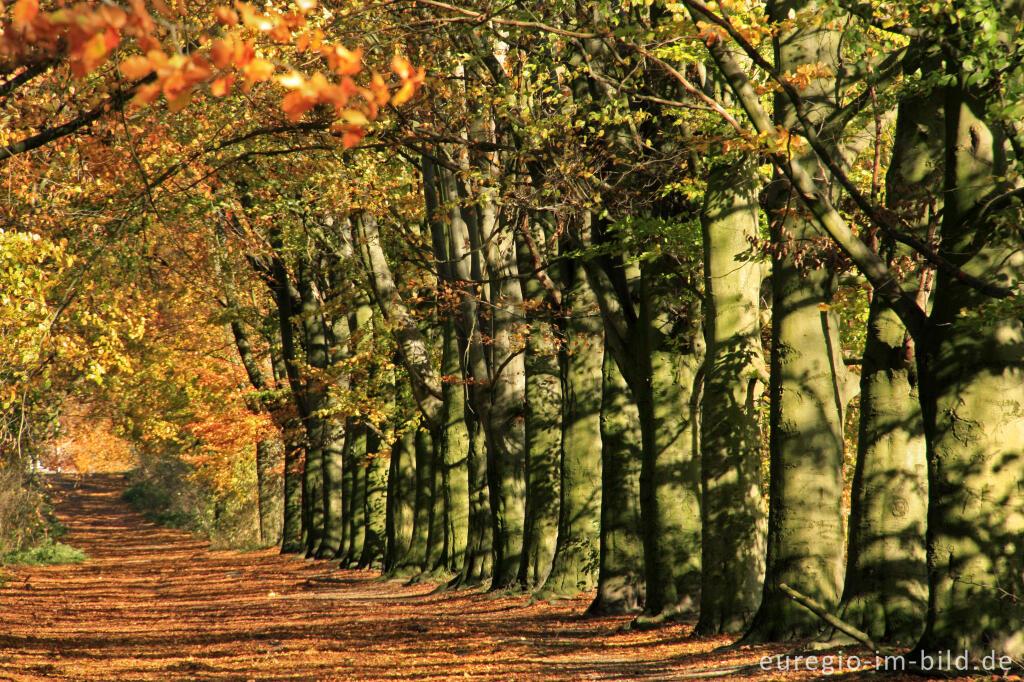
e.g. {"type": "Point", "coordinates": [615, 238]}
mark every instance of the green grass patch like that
{"type": "Point", "coordinates": [49, 554]}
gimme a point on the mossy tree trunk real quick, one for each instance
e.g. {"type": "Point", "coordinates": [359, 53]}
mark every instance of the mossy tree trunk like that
{"type": "Point", "coordinates": [659, 349]}
{"type": "Point", "coordinates": [374, 505]}
{"type": "Point", "coordinates": [357, 458]}
{"type": "Point", "coordinates": [620, 583]}
{"type": "Point", "coordinates": [667, 390]}
{"type": "Point", "coordinates": [315, 343]}
{"type": "Point", "coordinates": [400, 500]}
{"type": "Point", "coordinates": [886, 590]}
{"type": "Point", "coordinates": [971, 368]}
{"type": "Point", "coordinates": [734, 519]}
{"type": "Point", "coordinates": [454, 454]}
{"type": "Point", "coordinates": [575, 564]}
{"type": "Point", "coordinates": [478, 566]}
{"type": "Point", "coordinates": [543, 428]}
{"type": "Point", "coordinates": [807, 393]}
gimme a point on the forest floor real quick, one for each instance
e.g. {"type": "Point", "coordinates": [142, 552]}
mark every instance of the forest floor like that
{"type": "Point", "coordinates": [158, 604]}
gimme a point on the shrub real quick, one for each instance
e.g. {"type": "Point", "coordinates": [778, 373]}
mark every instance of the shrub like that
{"type": "Point", "coordinates": [166, 491]}
{"type": "Point", "coordinates": [28, 528]}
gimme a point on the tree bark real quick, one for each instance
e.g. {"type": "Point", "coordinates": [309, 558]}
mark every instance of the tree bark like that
{"type": "Point", "coordinates": [805, 524]}
{"type": "Point", "coordinates": [886, 590]}
{"type": "Point", "coordinates": [374, 505]}
{"type": "Point", "coordinates": [401, 498]}
{"type": "Point", "coordinates": [733, 513]}
{"type": "Point", "coordinates": [971, 369]}
{"type": "Point", "coordinates": [620, 582]}
{"type": "Point", "coordinates": [454, 454]}
{"type": "Point", "coordinates": [575, 564]}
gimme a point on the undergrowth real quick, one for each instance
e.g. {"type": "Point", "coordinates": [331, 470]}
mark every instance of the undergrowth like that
{"type": "Point", "coordinates": [167, 493]}
{"type": "Point", "coordinates": [29, 531]}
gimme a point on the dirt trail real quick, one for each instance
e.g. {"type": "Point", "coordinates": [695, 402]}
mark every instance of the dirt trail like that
{"type": "Point", "coordinates": [157, 604]}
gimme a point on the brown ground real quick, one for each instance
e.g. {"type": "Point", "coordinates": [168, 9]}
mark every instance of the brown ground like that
{"type": "Point", "coordinates": [158, 604]}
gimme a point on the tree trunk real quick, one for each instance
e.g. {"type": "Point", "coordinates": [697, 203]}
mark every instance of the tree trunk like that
{"type": "Point", "coordinates": [358, 460]}
{"type": "Point", "coordinates": [620, 582]}
{"type": "Point", "coordinates": [733, 511]}
{"type": "Point", "coordinates": [374, 504]}
{"type": "Point", "coordinates": [416, 557]}
{"type": "Point", "coordinates": [805, 519]}
{"type": "Point", "coordinates": [886, 591]}
{"type": "Point", "coordinates": [315, 343]}
{"type": "Point", "coordinates": [971, 368]}
{"type": "Point", "coordinates": [477, 568]}
{"type": "Point", "coordinates": [575, 564]}
{"type": "Point", "coordinates": [671, 359]}
{"type": "Point", "coordinates": [333, 468]}
{"type": "Point", "coordinates": [291, 525]}
{"type": "Point", "coordinates": [454, 454]}
{"type": "Point", "coordinates": [505, 430]}
{"type": "Point", "coordinates": [400, 500]}
{"type": "Point", "coordinates": [543, 432]}
{"type": "Point", "coordinates": [269, 464]}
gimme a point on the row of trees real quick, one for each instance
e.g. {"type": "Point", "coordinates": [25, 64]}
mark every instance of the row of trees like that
{"type": "Point", "coordinates": [525, 333]}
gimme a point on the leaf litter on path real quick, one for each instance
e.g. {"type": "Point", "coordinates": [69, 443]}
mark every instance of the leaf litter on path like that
{"type": "Point", "coordinates": [152, 603]}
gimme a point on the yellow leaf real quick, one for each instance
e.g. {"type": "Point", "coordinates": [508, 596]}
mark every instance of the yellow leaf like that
{"type": "Point", "coordinates": [353, 116]}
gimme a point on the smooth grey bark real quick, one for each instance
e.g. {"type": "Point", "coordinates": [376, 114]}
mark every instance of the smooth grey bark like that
{"type": "Point", "coordinates": [315, 343]}
{"type": "Point", "coordinates": [436, 533]}
{"type": "Point", "coordinates": [733, 512]}
{"type": "Point", "coordinates": [374, 505]}
{"type": "Point", "coordinates": [659, 350]}
{"type": "Point", "coordinates": [505, 429]}
{"type": "Point", "coordinates": [807, 392]}
{"type": "Point", "coordinates": [333, 466]}
{"type": "Point", "coordinates": [495, 373]}
{"type": "Point", "coordinates": [416, 558]}
{"type": "Point", "coordinates": [269, 484]}
{"type": "Point", "coordinates": [354, 439]}
{"type": "Point", "coordinates": [886, 589]}
{"type": "Point", "coordinates": [291, 523]}
{"type": "Point", "coordinates": [357, 459]}
{"type": "Point", "coordinates": [479, 562]}
{"type": "Point", "coordinates": [575, 564]}
{"type": "Point", "coordinates": [620, 583]}
{"type": "Point", "coordinates": [543, 426]}
{"type": "Point", "coordinates": [454, 454]}
{"type": "Point", "coordinates": [401, 497]}
{"type": "Point", "coordinates": [671, 355]}
{"type": "Point", "coordinates": [971, 369]}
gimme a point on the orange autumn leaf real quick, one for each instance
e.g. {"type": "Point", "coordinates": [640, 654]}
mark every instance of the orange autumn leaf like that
{"type": "Point", "coordinates": [180, 102]}
{"type": "Point", "coordinates": [25, 11]}
{"type": "Point", "coordinates": [401, 66]}
{"type": "Point", "coordinates": [295, 104]}
{"type": "Point", "coordinates": [226, 15]}
{"type": "Point", "coordinates": [136, 67]}
{"type": "Point", "coordinates": [258, 70]}
{"type": "Point", "coordinates": [221, 85]}
{"type": "Point", "coordinates": [344, 61]}
{"type": "Point", "coordinates": [146, 93]}
{"type": "Point", "coordinates": [412, 79]}
{"type": "Point", "coordinates": [163, 9]}
{"type": "Point", "coordinates": [222, 51]}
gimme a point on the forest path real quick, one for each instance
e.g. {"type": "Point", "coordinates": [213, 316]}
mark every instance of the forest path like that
{"type": "Point", "coordinates": [158, 604]}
